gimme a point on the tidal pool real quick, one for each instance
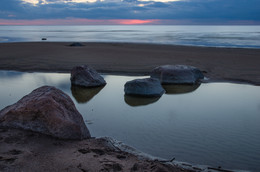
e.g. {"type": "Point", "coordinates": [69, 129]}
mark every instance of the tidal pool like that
{"type": "Point", "coordinates": [216, 124]}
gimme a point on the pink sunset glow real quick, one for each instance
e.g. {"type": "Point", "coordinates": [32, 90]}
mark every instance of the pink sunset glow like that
{"type": "Point", "coordinates": [133, 22]}
{"type": "Point", "coordinates": [77, 22]}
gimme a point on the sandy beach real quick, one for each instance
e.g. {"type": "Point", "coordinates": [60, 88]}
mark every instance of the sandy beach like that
{"type": "Point", "coordinates": [217, 64]}
{"type": "Point", "coordinates": [28, 151]}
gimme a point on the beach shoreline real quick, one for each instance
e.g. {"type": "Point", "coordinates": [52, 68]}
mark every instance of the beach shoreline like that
{"type": "Point", "coordinates": [238, 65]}
{"type": "Point", "coordinates": [22, 150]}
{"type": "Point", "coordinates": [18, 148]}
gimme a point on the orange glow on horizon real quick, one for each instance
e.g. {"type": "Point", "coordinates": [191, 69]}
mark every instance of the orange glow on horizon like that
{"type": "Point", "coordinates": [134, 21]}
{"type": "Point", "coordinates": [77, 22]}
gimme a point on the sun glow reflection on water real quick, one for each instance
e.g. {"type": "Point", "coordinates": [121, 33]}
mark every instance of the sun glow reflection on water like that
{"type": "Point", "coordinates": [214, 124]}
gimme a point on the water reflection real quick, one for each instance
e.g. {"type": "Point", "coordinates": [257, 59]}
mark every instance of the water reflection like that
{"type": "Point", "coordinates": [188, 126]}
{"type": "Point", "coordinates": [180, 89]}
{"type": "Point", "coordinates": [10, 74]}
{"type": "Point", "coordinates": [83, 94]}
{"type": "Point", "coordinates": [140, 101]}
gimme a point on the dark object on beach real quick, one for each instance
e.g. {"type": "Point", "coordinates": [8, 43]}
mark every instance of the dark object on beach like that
{"type": "Point", "coordinates": [148, 87]}
{"type": "Point", "coordinates": [44, 39]}
{"type": "Point", "coordinates": [76, 44]}
{"type": "Point", "coordinates": [177, 74]}
{"type": "Point", "coordinates": [86, 76]}
{"type": "Point", "coordinates": [46, 110]}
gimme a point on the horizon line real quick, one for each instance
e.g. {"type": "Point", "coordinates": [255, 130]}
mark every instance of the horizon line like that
{"type": "Point", "coordinates": [80, 21]}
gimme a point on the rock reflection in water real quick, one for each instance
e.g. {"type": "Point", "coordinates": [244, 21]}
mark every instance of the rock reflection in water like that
{"type": "Point", "coordinates": [180, 89]}
{"type": "Point", "coordinates": [83, 94]}
{"type": "Point", "coordinates": [140, 101]}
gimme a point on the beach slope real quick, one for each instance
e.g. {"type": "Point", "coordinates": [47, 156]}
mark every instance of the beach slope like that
{"type": "Point", "coordinates": [22, 150]}
{"type": "Point", "coordinates": [217, 64]}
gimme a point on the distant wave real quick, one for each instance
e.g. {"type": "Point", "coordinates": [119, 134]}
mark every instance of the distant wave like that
{"type": "Point", "coordinates": [208, 36]}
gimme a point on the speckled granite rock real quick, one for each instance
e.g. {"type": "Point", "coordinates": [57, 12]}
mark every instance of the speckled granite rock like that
{"type": "Point", "coordinates": [148, 87]}
{"type": "Point", "coordinates": [177, 74]}
{"type": "Point", "coordinates": [46, 110]}
{"type": "Point", "coordinates": [86, 76]}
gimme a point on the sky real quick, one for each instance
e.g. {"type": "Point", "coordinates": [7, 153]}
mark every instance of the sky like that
{"type": "Point", "coordinates": [77, 12]}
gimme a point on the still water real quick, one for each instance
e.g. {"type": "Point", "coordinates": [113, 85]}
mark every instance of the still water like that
{"type": "Point", "coordinates": [209, 36]}
{"type": "Point", "coordinates": [213, 124]}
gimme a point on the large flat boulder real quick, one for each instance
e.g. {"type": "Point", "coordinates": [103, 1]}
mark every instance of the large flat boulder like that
{"type": "Point", "coordinates": [148, 87]}
{"type": "Point", "coordinates": [86, 76]}
{"type": "Point", "coordinates": [46, 110]}
{"type": "Point", "coordinates": [177, 74]}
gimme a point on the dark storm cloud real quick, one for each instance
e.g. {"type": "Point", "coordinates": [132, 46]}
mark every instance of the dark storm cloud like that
{"type": "Point", "coordinates": [220, 10]}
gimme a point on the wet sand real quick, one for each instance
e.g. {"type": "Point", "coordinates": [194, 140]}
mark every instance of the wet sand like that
{"type": "Point", "coordinates": [28, 151]}
{"type": "Point", "coordinates": [218, 64]}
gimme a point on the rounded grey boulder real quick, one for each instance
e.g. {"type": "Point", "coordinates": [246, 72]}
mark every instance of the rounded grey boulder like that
{"type": "Point", "coordinates": [86, 76]}
{"type": "Point", "coordinates": [148, 87]}
{"type": "Point", "coordinates": [46, 110]}
{"type": "Point", "coordinates": [177, 74]}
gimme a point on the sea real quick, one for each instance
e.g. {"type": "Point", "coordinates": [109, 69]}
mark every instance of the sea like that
{"type": "Point", "coordinates": [188, 35]}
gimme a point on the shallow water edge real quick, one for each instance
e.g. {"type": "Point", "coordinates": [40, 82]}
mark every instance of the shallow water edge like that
{"type": "Point", "coordinates": [143, 74]}
{"type": "Point", "coordinates": [186, 122]}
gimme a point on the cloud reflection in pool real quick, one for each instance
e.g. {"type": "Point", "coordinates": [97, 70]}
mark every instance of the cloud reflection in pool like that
{"type": "Point", "coordinates": [215, 124]}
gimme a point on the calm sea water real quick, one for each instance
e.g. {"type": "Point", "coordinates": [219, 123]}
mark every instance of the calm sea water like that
{"type": "Point", "coordinates": [214, 124]}
{"type": "Point", "coordinates": [214, 36]}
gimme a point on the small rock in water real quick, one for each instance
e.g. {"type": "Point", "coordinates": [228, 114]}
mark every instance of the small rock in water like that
{"type": "Point", "coordinates": [44, 39]}
{"type": "Point", "coordinates": [86, 76]}
{"type": "Point", "coordinates": [177, 74]}
{"type": "Point", "coordinates": [46, 110]}
{"type": "Point", "coordinates": [148, 87]}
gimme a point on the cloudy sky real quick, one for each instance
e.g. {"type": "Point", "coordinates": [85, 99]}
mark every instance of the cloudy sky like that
{"type": "Point", "coordinates": [41, 12]}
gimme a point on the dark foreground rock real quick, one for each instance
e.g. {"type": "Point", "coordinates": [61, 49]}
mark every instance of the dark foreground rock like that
{"type": "Point", "coordinates": [46, 110]}
{"type": "Point", "coordinates": [148, 87]}
{"type": "Point", "coordinates": [177, 74]}
{"type": "Point", "coordinates": [86, 76]}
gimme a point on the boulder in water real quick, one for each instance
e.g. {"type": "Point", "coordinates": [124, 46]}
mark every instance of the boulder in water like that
{"type": "Point", "coordinates": [46, 110]}
{"type": "Point", "coordinates": [148, 87]}
{"type": "Point", "coordinates": [86, 76]}
{"type": "Point", "coordinates": [177, 74]}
